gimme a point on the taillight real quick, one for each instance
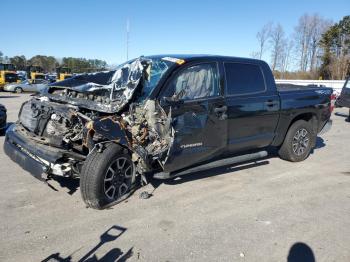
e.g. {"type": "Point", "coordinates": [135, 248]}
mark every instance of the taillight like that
{"type": "Point", "coordinates": [333, 98]}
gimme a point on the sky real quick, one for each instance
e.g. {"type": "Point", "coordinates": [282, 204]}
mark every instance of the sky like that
{"type": "Point", "coordinates": [97, 29]}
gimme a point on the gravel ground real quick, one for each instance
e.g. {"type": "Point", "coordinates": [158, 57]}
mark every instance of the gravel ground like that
{"type": "Point", "coordinates": [251, 212]}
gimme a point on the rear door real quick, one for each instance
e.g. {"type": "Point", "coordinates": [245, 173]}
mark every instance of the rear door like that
{"type": "Point", "coordinates": [37, 85]}
{"type": "Point", "coordinates": [344, 98]}
{"type": "Point", "coordinates": [253, 107]}
{"type": "Point", "coordinates": [198, 116]}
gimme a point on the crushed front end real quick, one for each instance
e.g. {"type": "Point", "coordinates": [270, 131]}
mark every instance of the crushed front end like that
{"type": "Point", "coordinates": [58, 129]}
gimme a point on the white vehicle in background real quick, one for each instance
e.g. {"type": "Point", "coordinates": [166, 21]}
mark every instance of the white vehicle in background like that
{"type": "Point", "coordinates": [26, 86]}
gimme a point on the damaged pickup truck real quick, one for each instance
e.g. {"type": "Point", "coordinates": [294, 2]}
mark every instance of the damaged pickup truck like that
{"type": "Point", "coordinates": [163, 116]}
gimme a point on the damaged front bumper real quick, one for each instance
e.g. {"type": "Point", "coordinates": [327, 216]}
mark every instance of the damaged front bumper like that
{"type": "Point", "coordinates": [38, 159]}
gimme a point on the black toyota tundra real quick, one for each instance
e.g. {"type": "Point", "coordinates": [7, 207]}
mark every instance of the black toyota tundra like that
{"type": "Point", "coordinates": [163, 116]}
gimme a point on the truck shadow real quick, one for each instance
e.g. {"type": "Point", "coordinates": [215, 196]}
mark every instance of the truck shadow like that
{"type": "Point", "coordinates": [341, 114]}
{"type": "Point", "coordinates": [1, 97]}
{"type": "Point", "coordinates": [319, 144]}
{"type": "Point", "coordinates": [272, 153]}
{"type": "Point", "coordinates": [210, 173]}
{"type": "Point", "coordinates": [347, 116]}
{"type": "Point", "coordinates": [110, 235]}
{"type": "Point", "coordinates": [73, 184]}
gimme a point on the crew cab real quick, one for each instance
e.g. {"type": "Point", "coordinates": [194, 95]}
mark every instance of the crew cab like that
{"type": "Point", "coordinates": [163, 116]}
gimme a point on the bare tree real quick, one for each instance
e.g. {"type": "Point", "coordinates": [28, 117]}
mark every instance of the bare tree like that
{"type": "Point", "coordinates": [255, 55]}
{"type": "Point", "coordinates": [302, 39]}
{"type": "Point", "coordinates": [263, 36]}
{"type": "Point", "coordinates": [308, 34]}
{"type": "Point", "coordinates": [277, 41]}
{"type": "Point", "coordinates": [318, 26]}
{"type": "Point", "coordinates": [285, 56]}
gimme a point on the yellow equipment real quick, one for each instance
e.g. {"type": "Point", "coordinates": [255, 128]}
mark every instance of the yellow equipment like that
{"type": "Point", "coordinates": [8, 74]}
{"type": "Point", "coordinates": [63, 73]}
{"type": "Point", "coordinates": [34, 73]}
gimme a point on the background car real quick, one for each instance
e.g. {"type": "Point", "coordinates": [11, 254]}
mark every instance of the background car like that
{"type": "Point", "coordinates": [26, 86]}
{"type": "Point", "coordinates": [51, 78]}
{"type": "Point", "coordinates": [3, 117]}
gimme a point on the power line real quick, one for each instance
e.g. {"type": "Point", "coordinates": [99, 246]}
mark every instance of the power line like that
{"type": "Point", "coordinates": [127, 38]}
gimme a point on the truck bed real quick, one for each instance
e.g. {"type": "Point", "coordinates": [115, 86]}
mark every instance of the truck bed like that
{"type": "Point", "coordinates": [292, 87]}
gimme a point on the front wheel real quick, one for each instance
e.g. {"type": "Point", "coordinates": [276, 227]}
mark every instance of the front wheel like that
{"type": "Point", "coordinates": [298, 142]}
{"type": "Point", "coordinates": [107, 177]}
{"type": "Point", "coordinates": [18, 90]}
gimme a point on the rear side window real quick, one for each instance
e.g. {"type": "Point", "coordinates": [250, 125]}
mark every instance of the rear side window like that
{"type": "Point", "coordinates": [243, 79]}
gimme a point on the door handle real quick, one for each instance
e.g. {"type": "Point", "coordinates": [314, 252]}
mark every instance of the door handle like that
{"type": "Point", "coordinates": [221, 109]}
{"type": "Point", "coordinates": [220, 112]}
{"type": "Point", "coordinates": [271, 103]}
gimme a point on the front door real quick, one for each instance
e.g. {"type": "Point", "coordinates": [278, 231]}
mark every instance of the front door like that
{"type": "Point", "coordinates": [198, 113]}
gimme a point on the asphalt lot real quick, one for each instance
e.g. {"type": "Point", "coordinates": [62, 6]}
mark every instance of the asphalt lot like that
{"type": "Point", "coordinates": [251, 212]}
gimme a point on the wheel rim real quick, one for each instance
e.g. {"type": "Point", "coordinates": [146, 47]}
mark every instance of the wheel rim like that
{"type": "Point", "coordinates": [118, 178]}
{"type": "Point", "coordinates": [301, 141]}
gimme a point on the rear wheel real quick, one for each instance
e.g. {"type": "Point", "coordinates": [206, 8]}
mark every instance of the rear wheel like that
{"type": "Point", "coordinates": [107, 177]}
{"type": "Point", "coordinates": [18, 90]}
{"type": "Point", "coordinates": [298, 142]}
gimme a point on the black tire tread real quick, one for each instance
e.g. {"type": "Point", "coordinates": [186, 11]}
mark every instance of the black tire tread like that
{"type": "Point", "coordinates": [286, 152]}
{"type": "Point", "coordinates": [94, 163]}
{"type": "Point", "coordinates": [18, 88]}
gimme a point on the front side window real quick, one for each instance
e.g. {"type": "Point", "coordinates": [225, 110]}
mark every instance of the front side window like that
{"type": "Point", "coordinates": [39, 77]}
{"type": "Point", "coordinates": [198, 81]}
{"type": "Point", "coordinates": [11, 77]}
{"type": "Point", "coordinates": [243, 79]}
{"type": "Point", "coordinates": [39, 81]}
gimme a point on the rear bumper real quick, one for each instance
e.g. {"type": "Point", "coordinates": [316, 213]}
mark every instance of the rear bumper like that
{"type": "Point", "coordinates": [326, 127]}
{"type": "Point", "coordinates": [33, 157]}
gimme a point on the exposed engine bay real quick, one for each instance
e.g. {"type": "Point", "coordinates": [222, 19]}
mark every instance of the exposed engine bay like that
{"type": "Point", "coordinates": [79, 115]}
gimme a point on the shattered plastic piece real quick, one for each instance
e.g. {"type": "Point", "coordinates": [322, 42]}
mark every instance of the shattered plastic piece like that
{"type": "Point", "coordinates": [174, 60]}
{"type": "Point", "coordinates": [145, 195]}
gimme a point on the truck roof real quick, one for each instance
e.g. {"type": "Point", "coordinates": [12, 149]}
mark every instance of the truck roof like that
{"type": "Point", "coordinates": [200, 57]}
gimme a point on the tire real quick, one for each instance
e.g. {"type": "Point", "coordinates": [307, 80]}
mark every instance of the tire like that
{"type": "Point", "coordinates": [18, 90]}
{"type": "Point", "coordinates": [105, 173]}
{"type": "Point", "coordinates": [298, 143]}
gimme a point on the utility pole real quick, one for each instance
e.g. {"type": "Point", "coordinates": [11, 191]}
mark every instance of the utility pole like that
{"type": "Point", "coordinates": [127, 38]}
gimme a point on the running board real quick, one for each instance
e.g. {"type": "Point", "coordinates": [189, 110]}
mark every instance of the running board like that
{"type": "Point", "coordinates": [222, 162]}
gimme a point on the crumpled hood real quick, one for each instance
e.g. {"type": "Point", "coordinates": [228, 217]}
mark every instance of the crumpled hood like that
{"type": "Point", "coordinates": [83, 82]}
{"type": "Point", "coordinates": [107, 92]}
